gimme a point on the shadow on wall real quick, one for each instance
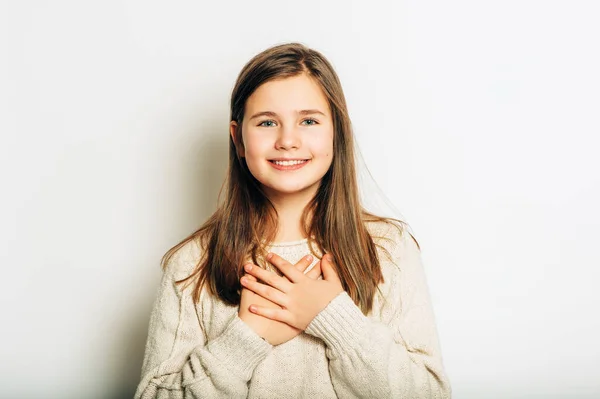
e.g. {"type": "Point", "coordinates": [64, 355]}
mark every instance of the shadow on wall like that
{"type": "Point", "coordinates": [205, 164]}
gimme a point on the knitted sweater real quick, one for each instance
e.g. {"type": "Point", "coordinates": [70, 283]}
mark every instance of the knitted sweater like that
{"type": "Point", "coordinates": [205, 350]}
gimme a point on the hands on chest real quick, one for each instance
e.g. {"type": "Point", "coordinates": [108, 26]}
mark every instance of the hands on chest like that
{"type": "Point", "coordinates": [279, 308]}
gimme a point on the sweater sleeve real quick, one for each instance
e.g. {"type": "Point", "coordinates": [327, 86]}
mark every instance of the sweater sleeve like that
{"type": "Point", "coordinates": [395, 356]}
{"type": "Point", "coordinates": [178, 361]}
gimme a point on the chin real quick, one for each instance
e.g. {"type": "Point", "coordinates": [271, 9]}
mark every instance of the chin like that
{"type": "Point", "coordinates": [282, 190]}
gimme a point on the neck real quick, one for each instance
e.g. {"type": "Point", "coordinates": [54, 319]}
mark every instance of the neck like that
{"type": "Point", "coordinates": [289, 215]}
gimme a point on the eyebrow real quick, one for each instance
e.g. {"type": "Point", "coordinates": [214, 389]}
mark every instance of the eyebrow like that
{"type": "Point", "coordinates": [273, 114]}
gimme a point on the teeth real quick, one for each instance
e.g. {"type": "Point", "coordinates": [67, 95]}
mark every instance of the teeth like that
{"type": "Point", "coordinates": [288, 163]}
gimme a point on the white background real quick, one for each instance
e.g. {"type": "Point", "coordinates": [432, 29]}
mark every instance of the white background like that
{"type": "Point", "coordinates": [479, 120]}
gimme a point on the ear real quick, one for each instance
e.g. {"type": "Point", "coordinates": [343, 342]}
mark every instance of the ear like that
{"type": "Point", "coordinates": [233, 130]}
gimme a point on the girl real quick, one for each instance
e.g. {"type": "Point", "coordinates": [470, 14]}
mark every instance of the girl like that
{"type": "Point", "coordinates": [291, 289]}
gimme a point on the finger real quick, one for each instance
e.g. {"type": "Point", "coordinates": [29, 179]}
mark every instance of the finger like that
{"type": "Point", "coordinates": [329, 273]}
{"type": "Point", "coordinates": [271, 313]}
{"type": "Point", "coordinates": [315, 272]}
{"type": "Point", "coordinates": [265, 291]}
{"type": "Point", "coordinates": [268, 277]}
{"type": "Point", "coordinates": [249, 276]}
{"type": "Point", "coordinates": [304, 263]}
{"type": "Point", "coordinates": [293, 274]}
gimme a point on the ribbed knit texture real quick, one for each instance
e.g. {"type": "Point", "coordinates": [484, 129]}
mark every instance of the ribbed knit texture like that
{"type": "Point", "coordinates": [205, 350]}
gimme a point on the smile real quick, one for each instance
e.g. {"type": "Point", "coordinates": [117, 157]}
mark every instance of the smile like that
{"type": "Point", "coordinates": [290, 164]}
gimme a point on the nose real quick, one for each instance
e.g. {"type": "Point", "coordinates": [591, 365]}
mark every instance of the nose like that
{"type": "Point", "coordinates": [288, 138]}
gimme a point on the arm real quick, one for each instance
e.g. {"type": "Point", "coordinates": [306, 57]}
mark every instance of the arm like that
{"type": "Point", "coordinates": [179, 363]}
{"type": "Point", "coordinates": [398, 356]}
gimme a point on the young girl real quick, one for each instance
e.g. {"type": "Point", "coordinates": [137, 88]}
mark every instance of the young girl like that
{"type": "Point", "coordinates": [291, 289]}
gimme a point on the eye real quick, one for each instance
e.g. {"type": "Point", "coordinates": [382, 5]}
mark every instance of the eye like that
{"type": "Point", "coordinates": [311, 120]}
{"type": "Point", "coordinates": [267, 123]}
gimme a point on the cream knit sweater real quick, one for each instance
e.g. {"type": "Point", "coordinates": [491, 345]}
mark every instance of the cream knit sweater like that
{"type": "Point", "coordinates": [204, 350]}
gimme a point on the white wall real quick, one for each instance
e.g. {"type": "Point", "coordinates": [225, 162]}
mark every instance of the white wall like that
{"type": "Point", "coordinates": [478, 119]}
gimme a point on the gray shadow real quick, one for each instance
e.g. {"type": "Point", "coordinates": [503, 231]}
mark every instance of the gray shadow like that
{"type": "Point", "coordinates": [207, 157]}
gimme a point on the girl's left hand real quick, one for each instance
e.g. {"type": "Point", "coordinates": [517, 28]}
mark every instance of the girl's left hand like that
{"type": "Point", "coordinates": [300, 297]}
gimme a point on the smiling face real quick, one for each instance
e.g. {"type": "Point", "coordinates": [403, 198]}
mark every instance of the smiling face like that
{"type": "Point", "coordinates": [287, 136]}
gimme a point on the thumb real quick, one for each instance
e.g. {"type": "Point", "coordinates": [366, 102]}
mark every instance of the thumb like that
{"type": "Point", "coordinates": [327, 269]}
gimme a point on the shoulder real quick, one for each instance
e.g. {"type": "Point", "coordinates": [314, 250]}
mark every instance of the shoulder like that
{"type": "Point", "coordinates": [398, 252]}
{"type": "Point", "coordinates": [401, 265]}
{"type": "Point", "coordinates": [391, 234]}
{"type": "Point", "coordinates": [182, 259]}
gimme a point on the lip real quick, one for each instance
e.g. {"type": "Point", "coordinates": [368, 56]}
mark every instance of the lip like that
{"type": "Point", "coordinates": [288, 167]}
{"type": "Point", "coordinates": [288, 159]}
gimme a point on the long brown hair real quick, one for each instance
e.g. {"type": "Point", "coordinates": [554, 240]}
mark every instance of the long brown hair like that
{"type": "Point", "coordinates": [245, 220]}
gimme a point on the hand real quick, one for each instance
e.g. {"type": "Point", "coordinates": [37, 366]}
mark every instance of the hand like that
{"type": "Point", "coordinates": [275, 332]}
{"type": "Point", "coordinates": [300, 297]}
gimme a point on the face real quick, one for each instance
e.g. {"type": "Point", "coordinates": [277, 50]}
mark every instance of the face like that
{"type": "Point", "coordinates": [287, 136]}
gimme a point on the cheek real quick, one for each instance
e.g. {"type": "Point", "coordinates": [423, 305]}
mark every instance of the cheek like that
{"type": "Point", "coordinates": [253, 145]}
{"type": "Point", "coordinates": [255, 151]}
{"type": "Point", "coordinates": [324, 147]}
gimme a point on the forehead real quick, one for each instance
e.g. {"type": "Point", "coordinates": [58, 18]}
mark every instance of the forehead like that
{"type": "Point", "coordinates": [288, 94]}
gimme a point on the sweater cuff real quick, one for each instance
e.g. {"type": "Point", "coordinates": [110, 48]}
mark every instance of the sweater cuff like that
{"type": "Point", "coordinates": [239, 348]}
{"type": "Point", "coordinates": [340, 325]}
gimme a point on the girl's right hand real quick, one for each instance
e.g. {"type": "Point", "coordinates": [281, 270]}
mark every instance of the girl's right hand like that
{"type": "Point", "coordinates": [274, 332]}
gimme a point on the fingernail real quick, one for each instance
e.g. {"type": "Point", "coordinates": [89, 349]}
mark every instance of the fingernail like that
{"type": "Point", "coordinates": [244, 280]}
{"type": "Point", "coordinates": [329, 258]}
{"type": "Point", "coordinates": [253, 308]}
{"type": "Point", "coordinates": [309, 258]}
{"type": "Point", "coordinates": [248, 267]}
{"type": "Point", "coordinates": [269, 256]}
